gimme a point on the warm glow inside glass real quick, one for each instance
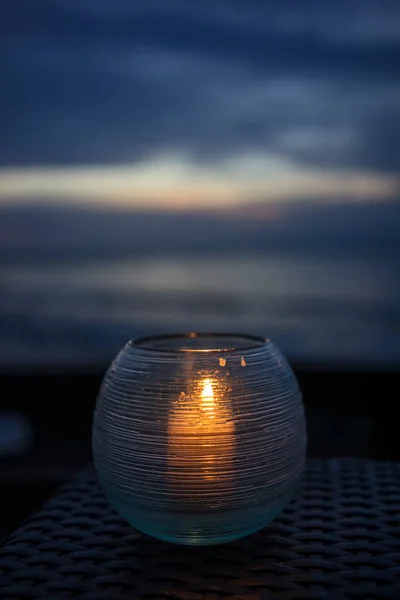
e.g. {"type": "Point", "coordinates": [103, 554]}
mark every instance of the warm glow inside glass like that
{"type": "Point", "coordinates": [199, 439]}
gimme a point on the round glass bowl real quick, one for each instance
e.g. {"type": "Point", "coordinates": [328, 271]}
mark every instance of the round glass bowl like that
{"type": "Point", "coordinates": [199, 438]}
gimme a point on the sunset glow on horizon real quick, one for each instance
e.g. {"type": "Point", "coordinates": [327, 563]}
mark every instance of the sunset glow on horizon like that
{"type": "Point", "coordinates": [174, 182]}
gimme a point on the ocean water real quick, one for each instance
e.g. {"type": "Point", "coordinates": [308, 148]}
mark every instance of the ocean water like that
{"type": "Point", "coordinates": [339, 311]}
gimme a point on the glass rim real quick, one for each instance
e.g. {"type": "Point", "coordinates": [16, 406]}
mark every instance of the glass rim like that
{"type": "Point", "coordinates": [255, 342]}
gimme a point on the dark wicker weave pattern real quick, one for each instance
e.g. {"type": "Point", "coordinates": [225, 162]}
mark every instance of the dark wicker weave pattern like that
{"type": "Point", "coordinates": [340, 538]}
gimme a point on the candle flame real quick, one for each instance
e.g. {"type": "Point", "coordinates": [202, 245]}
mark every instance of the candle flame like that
{"type": "Point", "coordinates": [207, 398]}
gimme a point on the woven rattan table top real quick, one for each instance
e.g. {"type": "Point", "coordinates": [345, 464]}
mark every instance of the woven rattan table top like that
{"type": "Point", "coordinates": [340, 538]}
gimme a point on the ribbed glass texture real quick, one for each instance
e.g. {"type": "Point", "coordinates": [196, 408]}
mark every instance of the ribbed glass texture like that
{"type": "Point", "coordinates": [199, 439]}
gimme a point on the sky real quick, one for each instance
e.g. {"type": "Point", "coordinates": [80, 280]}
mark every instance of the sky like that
{"type": "Point", "coordinates": [171, 103]}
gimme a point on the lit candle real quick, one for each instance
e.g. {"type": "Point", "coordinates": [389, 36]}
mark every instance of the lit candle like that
{"type": "Point", "coordinates": [201, 440]}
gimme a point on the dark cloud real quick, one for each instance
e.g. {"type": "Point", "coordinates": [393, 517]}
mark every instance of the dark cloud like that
{"type": "Point", "coordinates": [115, 81]}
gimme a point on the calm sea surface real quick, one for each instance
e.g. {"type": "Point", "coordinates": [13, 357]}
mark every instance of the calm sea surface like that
{"type": "Point", "coordinates": [327, 310]}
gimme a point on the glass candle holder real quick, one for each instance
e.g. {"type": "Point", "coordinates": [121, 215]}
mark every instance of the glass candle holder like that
{"type": "Point", "coordinates": [199, 438]}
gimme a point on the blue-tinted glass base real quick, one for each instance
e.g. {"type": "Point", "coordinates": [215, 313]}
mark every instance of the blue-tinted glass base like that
{"type": "Point", "coordinates": [197, 529]}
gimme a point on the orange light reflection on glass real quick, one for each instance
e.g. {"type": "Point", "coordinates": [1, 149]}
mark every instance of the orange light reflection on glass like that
{"type": "Point", "coordinates": [201, 439]}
